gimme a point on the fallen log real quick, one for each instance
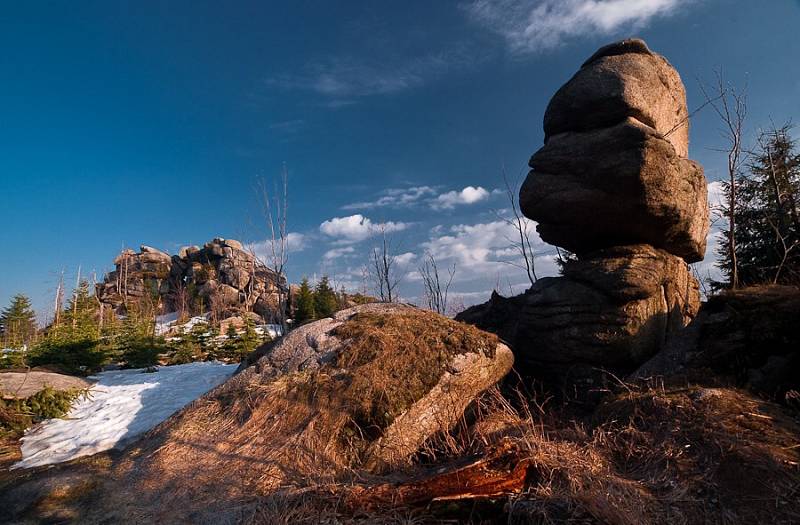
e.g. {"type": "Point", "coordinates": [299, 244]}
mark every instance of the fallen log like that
{"type": "Point", "coordinates": [504, 470]}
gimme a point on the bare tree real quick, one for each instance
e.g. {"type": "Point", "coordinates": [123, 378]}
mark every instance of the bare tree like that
{"type": "Point", "coordinates": [521, 242]}
{"type": "Point", "coordinates": [275, 207]}
{"type": "Point", "coordinates": [436, 290]}
{"type": "Point", "coordinates": [59, 300]}
{"type": "Point", "coordinates": [730, 106]}
{"type": "Point", "coordinates": [787, 248]}
{"type": "Point", "coordinates": [385, 274]}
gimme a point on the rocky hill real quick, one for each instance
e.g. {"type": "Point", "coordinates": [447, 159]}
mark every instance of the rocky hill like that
{"type": "Point", "coordinates": [221, 277]}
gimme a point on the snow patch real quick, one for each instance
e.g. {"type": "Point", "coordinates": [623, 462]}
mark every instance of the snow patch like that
{"type": "Point", "coordinates": [122, 405]}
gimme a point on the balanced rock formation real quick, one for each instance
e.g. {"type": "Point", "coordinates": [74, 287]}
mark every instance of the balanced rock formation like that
{"type": "Point", "coordinates": [221, 274]}
{"type": "Point", "coordinates": [612, 185]}
{"type": "Point", "coordinates": [613, 170]}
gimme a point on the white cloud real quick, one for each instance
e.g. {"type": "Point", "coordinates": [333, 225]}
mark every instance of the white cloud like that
{"type": "Point", "coordinates": [707, 269]}
{"type": "Point", "coordinates": [537, 25]}
{"type": "Point", "coordinates": [404, 259]}
{"type": "Point", "coordinates": [394, 198]}
{"type": "Point", "coordinates": [482, 250]}
{"type": "Point", "coordinates": [355, 228]}
{"type": "Point", "coordinates": [716, 196]}
{"type": "Point", "coordinates": [343, 79]}
{"type": "Point", "coordinates": [295, 242]}
{"type": "Point", "coordinates": [468, 195]}
{"type": "Point", "coordinates": [338, 253]}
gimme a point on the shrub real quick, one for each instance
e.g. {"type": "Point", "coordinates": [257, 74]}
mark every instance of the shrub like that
{"type": "Point", "coordinates": [80, 356]}
{"type": "Point", "coordinates": [16, 415]}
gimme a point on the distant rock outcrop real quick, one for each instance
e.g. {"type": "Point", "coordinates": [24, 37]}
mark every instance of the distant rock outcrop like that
{"type": "Point", "coordinates": [612, 185]}
{"type": "Point", "coordinates": [221, 275]}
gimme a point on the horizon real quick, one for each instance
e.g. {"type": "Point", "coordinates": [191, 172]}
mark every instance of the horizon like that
{"type": "Point", "coordinates": [151, 125]}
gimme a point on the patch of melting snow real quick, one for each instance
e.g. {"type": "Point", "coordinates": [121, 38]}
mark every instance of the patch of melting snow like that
{"type": "Point", "coordinates": [122, 405]}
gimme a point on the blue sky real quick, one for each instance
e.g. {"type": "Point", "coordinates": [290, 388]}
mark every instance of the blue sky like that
{"type": "Point", "coordinates": [149, 122]}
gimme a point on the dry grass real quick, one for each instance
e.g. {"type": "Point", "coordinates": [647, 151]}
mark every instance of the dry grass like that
{"type": "Point", "coordinates": [289, 450]}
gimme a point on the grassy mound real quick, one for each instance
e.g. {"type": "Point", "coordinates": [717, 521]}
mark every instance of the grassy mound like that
{"type": "Point", "coordinates": [394, 360]}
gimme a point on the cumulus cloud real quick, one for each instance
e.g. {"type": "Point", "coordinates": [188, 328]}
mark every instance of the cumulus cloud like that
{"type": "Point", "coordinates": [530, 26]}
{"type": "Point", "coordinates": [338, 253]}
{"type": "Point", "coordinates": [468, 195]}
{"type": "Point", "coordinates": [355, 228]}
{"type": "Point", "coordinates": [707, 269]}
{"type": "Point", "coordinates": [295, 242]}
{"type": "Point", "coordinates": [395, 198]}
{"type": "Point", "coordinates": [480, 249]}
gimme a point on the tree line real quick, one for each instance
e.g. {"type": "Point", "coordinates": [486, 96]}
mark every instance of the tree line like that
{"type": "Point", "coordinates": [760, 198]}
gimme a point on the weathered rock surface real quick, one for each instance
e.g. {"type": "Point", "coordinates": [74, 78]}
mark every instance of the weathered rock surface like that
{"type": "Point", "coordinates": [19, 385]}
{"type": "Point", "coordinates": [312, 346]}
{"type": "Point", "coordinates": [748, 335]}
{"type": "Point", "coordinates": [621, 80]}
{"type": "Point", "coordinates": [613, 169]}
{"type": "Point", "coordinates": [613, 309]}
{"type": "Point", "coordinates": [614, 186]}
{"type": "Point", "coordinates": [221, 275]}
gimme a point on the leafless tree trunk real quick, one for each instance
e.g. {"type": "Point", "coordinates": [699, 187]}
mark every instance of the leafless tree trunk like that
{"type": "Point", "coordinates": [75, 298]}
{"type": "Point", "coordinates": [436, 290]}
{"type": "Point", "coordinates": [731, 107]}
{"type": "Point", "coordinates": [385, 273]}
{"type": "Point", "coordinates": [275, 208]}
{"type": "Point", "coordinates": [522, 232]}
{"type": "Point", "coordinates": [59, 300]}
{"type": "Point", "coordinates": [787, 248]}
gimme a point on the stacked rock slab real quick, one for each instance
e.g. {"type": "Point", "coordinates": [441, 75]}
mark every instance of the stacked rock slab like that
{"type": "Point", "coordinates": [613, 185]}
{"type": "Point", "coordinates": [221, 274]}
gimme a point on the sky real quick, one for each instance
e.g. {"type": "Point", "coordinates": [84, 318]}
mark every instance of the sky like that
{"type": "Point", "coordinates": [128, 123]}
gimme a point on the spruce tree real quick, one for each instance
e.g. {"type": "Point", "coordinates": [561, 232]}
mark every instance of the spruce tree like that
{"type": "Point", "coordinates": [324, 298]}
{"type": "Point", "coordinates": [17, 323]}
{"type": "Point", "coordinates": [767, 227]}
{"type": "Point", "coordinates": [305, 310]}
{"type": "Point", "coordinates": [81, 315]}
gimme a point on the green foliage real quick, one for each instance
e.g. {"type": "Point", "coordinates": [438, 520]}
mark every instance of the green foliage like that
{"type": "Point", "coordinates": [136, 343]}
{"type": "Point", "coordinates": [73, 355]}
{"type": "Point", "coordinates": [81, 315]}
{"type": "Point", "coordinates": [186, 350]}
{"type": "Point", "coordinates": [306, 308]}
{"type": "Point", "coordinates": [18, 414]}
{"type": "Point", "coordinates": [14, 359]}
{"type": "Point", "coordinates": [193, 346]}
{"type": "Point", "coordinates": [239, 345]}
{"type": "Point", "coordinates": [325, 301]}
{"type": "Point", "coordinates": [74, 344]}
{"type": "Point", "coordinates": [17, 323]}
{"type": "Point", "coordinates": [767, 226]}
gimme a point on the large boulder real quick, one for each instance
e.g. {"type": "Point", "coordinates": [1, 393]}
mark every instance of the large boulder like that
{"type": "Point", "coordinates": [335, 400]}
{"type": "Point", "coordinates": [613, 170]}
{"type": "Point", "coordinates": [613, 309]}
{"type": "Point", "coordinates": [621, 80]}
{"type": "Point", "coordinates": [618, 185]}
